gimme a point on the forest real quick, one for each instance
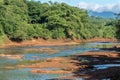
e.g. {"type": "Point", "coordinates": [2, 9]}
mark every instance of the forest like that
{"type": "Point", "coordinates": [26, 20]}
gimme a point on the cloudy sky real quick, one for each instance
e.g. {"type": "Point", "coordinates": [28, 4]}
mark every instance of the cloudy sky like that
{"type": "Point", "coordinates": [95, 5]}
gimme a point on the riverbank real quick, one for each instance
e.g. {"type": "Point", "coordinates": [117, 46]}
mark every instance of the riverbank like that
{"type": "Point", "coordinates": [92, 65]}
{"type": "Point", "coordinates": [104, 65]}
{"type": "Point", "coordinates": [88, 65]}
{"type": "Point", "coordinates": [52, 42]}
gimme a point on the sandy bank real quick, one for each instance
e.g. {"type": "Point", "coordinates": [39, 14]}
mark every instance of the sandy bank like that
{"type": "Point", "coordinates": [80, 65]}
{"type": "Point", "coordinates": [41, 42]}
{"type": "Point", "coordinates": [11, 56]}
{"type": "Point", "coordinates": [46, 50]}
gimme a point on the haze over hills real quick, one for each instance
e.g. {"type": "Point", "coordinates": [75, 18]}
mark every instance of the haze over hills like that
{"type": "Point", "coordinates": [101, 10]}
{"type": "Point", "coordinates": [104, 14]}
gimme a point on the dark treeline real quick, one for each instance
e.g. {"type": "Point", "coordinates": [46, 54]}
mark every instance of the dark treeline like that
{"type": "Point", "coordinates": [117, 24]}
{"type": "Point", "coordinates": [22, 19]}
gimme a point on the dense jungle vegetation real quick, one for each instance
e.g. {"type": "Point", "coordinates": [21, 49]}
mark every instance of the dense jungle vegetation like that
{"type": "Point", "coordinates": [23, 19]}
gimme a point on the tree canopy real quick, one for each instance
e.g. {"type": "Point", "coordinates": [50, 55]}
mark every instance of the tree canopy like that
{"type": "Point", "coordinates": [23, 19]}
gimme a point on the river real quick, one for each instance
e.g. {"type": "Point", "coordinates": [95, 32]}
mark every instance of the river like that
{"type": "Point", "coordinates": [24, 73]}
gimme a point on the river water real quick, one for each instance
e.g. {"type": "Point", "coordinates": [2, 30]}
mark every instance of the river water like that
{"type": "Point", "coordinates": [24, 74]}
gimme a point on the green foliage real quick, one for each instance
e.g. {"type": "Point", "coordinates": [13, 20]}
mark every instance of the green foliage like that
{"type": "Point", "coordinates": [103, 28]}
{"type": "Point", "coordinates": [13, 18]}
{"type": "Point", "coordinates": [1, 31]}
{"type": "Point", "coordinates": [59, 20]}
{"type": "Point", "coordinates": [24, 19]}
{"type": "Point", "coordinates": [118, 28]}
{"type": "Point", "coordinates": [58, 33]}
{"type": "Point", "coordinates": [109, 32]}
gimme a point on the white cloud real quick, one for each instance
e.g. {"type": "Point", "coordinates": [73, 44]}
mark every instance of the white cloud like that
{"type": "Point", "coordinates": [88, 6]}
{"type": "Point", "coordinates": [100, 8]}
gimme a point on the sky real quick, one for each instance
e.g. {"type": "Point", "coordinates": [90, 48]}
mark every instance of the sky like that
{"type": "Point", "coordinates": [94, 5]}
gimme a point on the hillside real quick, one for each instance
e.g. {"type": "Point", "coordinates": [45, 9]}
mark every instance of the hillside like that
{"type": "Point", "coordinates": [27, 20]}
{"type": "Point", "coordinates": [105, 14]}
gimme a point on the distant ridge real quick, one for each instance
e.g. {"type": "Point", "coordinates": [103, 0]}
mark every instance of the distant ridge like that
{"type": "Point", "coordinates": [105, 14]}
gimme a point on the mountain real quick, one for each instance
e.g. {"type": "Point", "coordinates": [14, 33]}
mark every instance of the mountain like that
{"type": "Point", "coordinates": [105, 14]}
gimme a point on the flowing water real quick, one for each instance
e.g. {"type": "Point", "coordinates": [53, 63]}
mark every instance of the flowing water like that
{"type": "Point", "coordinates": [24, 74]}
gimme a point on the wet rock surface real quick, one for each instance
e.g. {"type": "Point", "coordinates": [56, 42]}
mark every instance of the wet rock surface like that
{"type": "Point", "coordinates": [93, 64]}
{"type": "Point", "coordinates": [85, 66]}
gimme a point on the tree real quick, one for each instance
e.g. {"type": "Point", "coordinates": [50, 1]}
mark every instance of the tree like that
{"type": "Point", "coordinates": [117, 24]}
{"type": "Point", "coordinates": [28, 19]}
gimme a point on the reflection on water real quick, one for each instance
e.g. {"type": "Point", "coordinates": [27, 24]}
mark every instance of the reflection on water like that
{"type": "Point", "coordinates": [24, 74]}
{"type": "Point", "coordinates": [105, 66]}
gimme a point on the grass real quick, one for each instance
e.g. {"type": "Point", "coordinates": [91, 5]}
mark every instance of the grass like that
{"type": "Point", "coordinates": [3, 39]}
